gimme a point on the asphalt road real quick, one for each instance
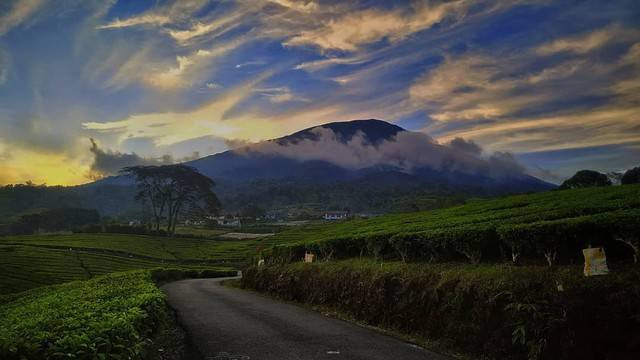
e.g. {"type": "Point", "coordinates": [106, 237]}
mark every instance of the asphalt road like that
{"type": "Point", "coordinates": [225, 323]}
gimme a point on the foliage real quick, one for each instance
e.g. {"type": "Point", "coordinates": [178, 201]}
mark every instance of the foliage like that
{"type": "Point", "coordinates": [551, 227]}
{"type": "Point", "coordinates": [157, 247]}
{"type": "Point", "coordinates": [53, 220]}
{"type": "Point", "coordinates": [585, 178]}
{"type": "Point", "coordinates": [631, 176]}
{"type": "Point", "coordinates": [174, 190]}
{"type": "Point", "coordinates": [26, 267]}
{"type": "Point", "coordinates": [496, 311]}
{"type": "Point", "coordinates": [112, 316]}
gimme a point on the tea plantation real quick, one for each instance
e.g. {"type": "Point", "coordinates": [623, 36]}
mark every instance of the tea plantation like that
{"type": "Point", "coordinates": [158, 247]}
{"type": "Point", "coordinates": [500, 278]}
{"type": "Point", "coordinates": [26, 267]}
{"type": "Point", "coordinates": [546, 227]}
{"type": "Point", "coordinates": [114, 316]}
{"type": "Point", "coordinates": [36, 260]}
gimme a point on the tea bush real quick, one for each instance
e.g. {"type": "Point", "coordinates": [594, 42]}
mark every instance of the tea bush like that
{"type": "Point", "coordinates": [107, 317]}
{"type": "Point", "coordinates": [552, 226]}
{"type": "Point", "coordinates": [494, 311]}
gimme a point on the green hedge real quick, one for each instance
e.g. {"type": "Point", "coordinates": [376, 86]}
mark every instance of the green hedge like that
{"type": "Point", "coordinates": [107, 317]}
{"type": "Point", "coordinates": [559, 240]}
{"type": "Point", "coordinates": [493, 311]}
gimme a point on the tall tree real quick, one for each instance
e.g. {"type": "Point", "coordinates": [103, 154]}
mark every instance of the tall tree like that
{"type": "Point", "coordinates": [172, 191]}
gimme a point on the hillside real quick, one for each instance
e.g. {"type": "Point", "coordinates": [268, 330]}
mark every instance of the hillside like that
{"type": "Point", "coordinates": [368, 166]}
{"type": "Point", "coordinates": [499, 278]}
{"type": "Point", "coordinates": [478, 223]}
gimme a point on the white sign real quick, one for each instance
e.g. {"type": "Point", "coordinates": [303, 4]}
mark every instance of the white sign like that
{"type": "Point", "coordinates": [595, 262]}
{"type": "Point", "coordinates": [309, 257]}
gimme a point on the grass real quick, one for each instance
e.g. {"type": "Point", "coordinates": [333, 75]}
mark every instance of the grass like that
{"type": "Point", "coordinates": [113, 316]}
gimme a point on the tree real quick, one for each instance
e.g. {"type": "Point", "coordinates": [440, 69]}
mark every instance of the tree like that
{"type": "Point", "coordinates": [586, 178]}
{"type": "Point", "coordinates": [632, 176]}
{"type": "Point", "coordinates": [174, 190]}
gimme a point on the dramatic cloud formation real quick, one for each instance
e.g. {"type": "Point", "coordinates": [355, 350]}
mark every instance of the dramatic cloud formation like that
{"type": "Point", "coordinates": [353, 30]}
{"type": "Point", "coordinates": [556, 83]}
{"type": "Point", "coordinates": [107, 162]}
{"type": "Point", "coordinates": [406, 151]}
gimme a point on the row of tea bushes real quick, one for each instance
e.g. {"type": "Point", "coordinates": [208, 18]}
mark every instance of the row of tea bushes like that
{"type": "Point", "coordinates": [490, 311]}
{"type": "Point", "coordinates": [559, 240]}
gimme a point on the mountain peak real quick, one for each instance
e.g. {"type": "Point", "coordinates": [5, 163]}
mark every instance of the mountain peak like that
{"type": "Point", "coordinates": [374, 130]}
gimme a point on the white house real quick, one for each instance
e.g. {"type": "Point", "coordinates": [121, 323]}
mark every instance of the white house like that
{"type": "Point", "coordinates": [227, 220]}
{"type": "Point", "coordinates": [335, 215]}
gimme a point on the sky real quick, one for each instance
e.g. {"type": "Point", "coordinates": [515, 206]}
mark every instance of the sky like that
{"type": "Point", "coordinates": [556, 83]}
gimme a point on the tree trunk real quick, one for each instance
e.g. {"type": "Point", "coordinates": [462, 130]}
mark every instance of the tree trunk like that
{"type": "Point", "coordinates": [515, 255]}
{"type": "Point", "coordinates": [550, 256]}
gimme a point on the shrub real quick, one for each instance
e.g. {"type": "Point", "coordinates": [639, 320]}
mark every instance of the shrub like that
{"type": "Point", "coordinates": [631, 176]}
{"type": "Point", "coordinates": [586, 178]}
{"type": "Point", "coordinates": [111, 316]}
{"type": "Point", "coordinates": [488, 311]}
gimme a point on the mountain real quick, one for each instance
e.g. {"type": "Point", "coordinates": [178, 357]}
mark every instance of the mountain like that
{"type": "Point", "coordinates": [365, 165]}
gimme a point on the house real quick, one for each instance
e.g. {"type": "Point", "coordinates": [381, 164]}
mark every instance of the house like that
{"type": "Point", "coordinates": [227, 220]}
{"type": "Point", "coordinates": [190, 222]}
{"type": "Point", "coordinates": [336, 215]}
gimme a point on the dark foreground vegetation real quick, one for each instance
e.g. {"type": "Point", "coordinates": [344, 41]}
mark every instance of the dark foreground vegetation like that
{"type": "Point", "coordinates": [498, 278]}
{"type": "Point", "coordinates": [489, 310]}
{"type": "Point", "coordinates": [116, 316]}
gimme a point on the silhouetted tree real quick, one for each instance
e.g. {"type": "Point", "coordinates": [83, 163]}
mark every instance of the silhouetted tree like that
{"type": "Point", "coordinates": [586, 178]}
{"type": "Point", "coordinates": [632, 176]}
{"type": "Point", "coordinates": [174, 190]}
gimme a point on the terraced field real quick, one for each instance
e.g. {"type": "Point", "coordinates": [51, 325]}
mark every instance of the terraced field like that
{"type": "Point", "coordinates": [157, 247]}
{"type": "Point", "coordinates": [27, 262]}
{"type": "Point", "coordinates": [27, 267]}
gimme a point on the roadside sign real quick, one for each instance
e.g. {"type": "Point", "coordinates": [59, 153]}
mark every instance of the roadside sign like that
{"type": "Point", "coordinates": [309, 257]}
{"type": "Point", "coordinates": [595, 262]}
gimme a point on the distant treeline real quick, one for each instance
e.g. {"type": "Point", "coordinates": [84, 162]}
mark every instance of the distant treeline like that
{"type": "Point", "coordinates": [29, 198]}
{"type": "Point", "coordinates": [63, 219]}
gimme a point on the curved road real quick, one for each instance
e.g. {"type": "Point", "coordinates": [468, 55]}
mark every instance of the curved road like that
{"type": "Point", "coordinates": [228, 324]}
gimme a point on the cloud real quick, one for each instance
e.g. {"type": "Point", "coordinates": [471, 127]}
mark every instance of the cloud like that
{"type": "Point", "coordinates": [466, 146]}
{"type": "Point", "coordinates": [172, 12]}
{"type": "Point", "coordinates": [107, 162]}
{"type": "Point", "coordinates": [211, 29]}
{"type": "Point", "coordinates": [584, 43]}
{"type": "Point", "coordinates": [358, 28]}
{"type": "Point", "coordinates": [305, 6]}
{"type": "Point", "coordinates": [280, 94]}
{"type": "Point", "coordinates": [173, 127]}
{"type": "Point", "coordinates": [21, 11]}
{"type": "Point", "coordinates": [510, 101]}
{"type": "Point", "coordinates": [407, 151]}
{"type": "Point", "coordinates": [249, 63]}
{"type": "Point", "coordinates": [148, 19]}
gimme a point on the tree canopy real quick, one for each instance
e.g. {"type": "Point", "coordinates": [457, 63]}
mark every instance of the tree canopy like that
{"type": "Point", "coordinates": [586, 178]}
{"type": "Point", "coordinates": [632, 176]}
{"type": "Point", "coordinates": [172, 191]}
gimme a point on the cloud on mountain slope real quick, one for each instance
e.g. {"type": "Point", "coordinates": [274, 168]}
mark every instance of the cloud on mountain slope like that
{"type": "Point", "coordinates": [407, 151]}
